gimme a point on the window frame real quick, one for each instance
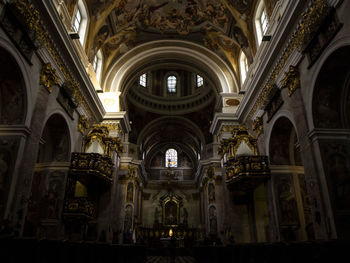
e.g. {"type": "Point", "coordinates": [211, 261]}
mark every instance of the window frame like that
{"type": "Point", "coordinates": [166, 158]}
{"type": "Point", "coordinates": [171, 90]}
{"type": "Point", "coordinates": [260, 29]}
{"type": "Point", "coordinates": [81, 8]}
{"type": "Point", "coordinates": [143, 79]}
{"type": "Point", "coordinates": [243, 67]}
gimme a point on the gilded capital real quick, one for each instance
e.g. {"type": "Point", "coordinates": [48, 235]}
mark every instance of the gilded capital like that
{"type": "Point", "coordinates": [48, 77]}
{"type": "Point", "coordinates": [291, 80]}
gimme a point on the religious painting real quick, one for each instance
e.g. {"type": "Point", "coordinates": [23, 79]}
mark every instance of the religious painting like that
{"type": "Point", "coordinates": [128, 219]}
{"type": "Point", "coordinates": [287, 202]}
{"type": "Point", "coordinates": [130, 192]}
{"type": "Point", "coordinates": [171, 213]}
{"type": "Point", "coordinates": [213, 224]}
{"type": "Point", "coordinates": [211, 193]}
{"type": "Point", "coordinates": [337, 167]}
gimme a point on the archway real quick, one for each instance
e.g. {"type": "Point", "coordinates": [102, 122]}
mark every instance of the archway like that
{"type": "Point", "coordinates": [287, 171]}
{"type": "Point", "coordinates": [330, 112]}
{"type": "Point", "coordinates": [47, 192]}
{"type": "Point", "coordinates": [12, 114]}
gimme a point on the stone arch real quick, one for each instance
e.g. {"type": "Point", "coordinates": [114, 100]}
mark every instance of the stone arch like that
{"type": "Point", "coordinates": [329, 51]}
{"type": "Point", "coordinates": [331, 97]}
{"type": "Point", "coordinates": [214, 66]}
{"type": "Point", "coordinates": [282, 143]}
{"type": "Point", "coordinates": [56, 140]}
{"type": "Point", "coordinates": [13, 92]}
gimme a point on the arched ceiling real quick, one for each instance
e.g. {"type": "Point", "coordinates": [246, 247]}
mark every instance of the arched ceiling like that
{"type": "Point", "coordinates": [222, 26]}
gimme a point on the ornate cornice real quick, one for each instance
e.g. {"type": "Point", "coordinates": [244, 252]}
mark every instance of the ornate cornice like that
{"type": "Point", "coordinates": [33, 20]}
{"type": "Point", "coordinates": [310, 21]}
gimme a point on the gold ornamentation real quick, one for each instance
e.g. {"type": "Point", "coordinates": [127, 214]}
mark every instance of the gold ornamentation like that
{"type": "Point", "coordinates": [297, 41]}
{"type": "Point", "coordinates": [92, 163]}
{"type": "Point", "coordinates": [291, 80]}
{"type": "Point", "coordinates": [230, 146]}
{"type": "Point", "coordinates": [83, 124]}
{"type": "Point", "coordinates": [258, 126]}
{"type": "Point", "coordinates": [48, 77]}
{"type": "Point", "coordinates": [246, 172]}
{"type": "Point", "coordinates": [100, 133]}
{"type": "Point", "coordinates": [132, 171]}
{"type": "Point", "coordinates": [33, 21]}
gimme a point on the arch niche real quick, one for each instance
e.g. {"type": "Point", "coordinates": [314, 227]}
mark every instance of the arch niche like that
{"type": "Point", "coordinates": [331, 118]}
{"type": "Point", "coordinates": [293, 210]}
{"type": "Point", "coordinates": [13, 103]}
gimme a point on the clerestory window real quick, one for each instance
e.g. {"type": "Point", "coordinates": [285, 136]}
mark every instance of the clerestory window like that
{"type": "Point", "coordinates": [171, 84]}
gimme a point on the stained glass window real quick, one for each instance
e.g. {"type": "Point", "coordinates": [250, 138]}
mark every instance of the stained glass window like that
{"type": "Point", "coordinates": [171, 158]}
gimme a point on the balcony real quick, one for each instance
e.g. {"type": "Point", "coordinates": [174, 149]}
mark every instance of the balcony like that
{"type": "Point", "coordinates": [91, 166]}
{"type": "Point", "coordinates": [245, 173]}
{"type": "Point", "coordinates": [79, 208]}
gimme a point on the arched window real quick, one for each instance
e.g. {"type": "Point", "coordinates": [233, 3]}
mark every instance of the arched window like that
{"type": "Point", "coordinates": [200, 81]}
{"type": "Point", "coordinates": [243, 66]}
{"type": "Point", "coordinates": [98, 65]}
{"type": "Point", "coordinates": [143, 80]}
{"type": "Point", "coordinates": [171, 84]}
{"type": "Point", "coordinates": [80, 21]}
{"type": "Point", "coordinates": [171, 158]}
{"type": "Point", "coordinates": [261, 21]}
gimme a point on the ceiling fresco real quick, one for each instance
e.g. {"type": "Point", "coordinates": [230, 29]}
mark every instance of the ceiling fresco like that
{"type": "Point", "coordinates": [220, 25]}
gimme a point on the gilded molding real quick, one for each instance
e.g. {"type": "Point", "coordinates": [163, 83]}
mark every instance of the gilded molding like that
{"type": "Point", "coordinates": [230, 146]}
{"type": "Point", "coordinates": [291, 80]}
{"type": "Point", "coordinates": [33, 20]}
{"type": "Point", "coordinates": [83, 124]}
{"type": "Point", "coordinates": [48, 77]}
{"type": "Point", "coordinates": [258, 126]}
{"type": "Point", "coordinates": [306, 27]}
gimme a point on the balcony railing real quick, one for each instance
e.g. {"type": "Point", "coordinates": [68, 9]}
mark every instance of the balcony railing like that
{"type": "Point", "coordinates": [246, 172]}
{"type": "Point", "coordinates": [79, 207]}
{"type": "Point", "coordinates": [93, 164]}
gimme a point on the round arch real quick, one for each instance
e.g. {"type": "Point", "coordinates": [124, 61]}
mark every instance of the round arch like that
{"type": "Point", "coordinates": [207, 60]}
{"type": "Point", "coordinates": [26, 80]}
{"type": "Point", "coordinates": [327, 53]}
{"type": "Point", "coordinates": [55, 132]}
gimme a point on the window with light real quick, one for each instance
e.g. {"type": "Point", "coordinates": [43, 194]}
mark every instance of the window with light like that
{"type": "Point", "coordinates": [261, 21]}
{"type": "Point", "coordinates": [97, 64]}
{"type": "Point", "coordinates": [200, 81]}
{"type": "Point", "coordinates": [171, 158]}
{"type": "Point", "coordinates": [143, 80]}
{"type": "Point", "coordinates": [77, 20]}
{"type": "Point", "coordinates": [243, 66]}
{"type": "Point", "coordinates": [171, 84]}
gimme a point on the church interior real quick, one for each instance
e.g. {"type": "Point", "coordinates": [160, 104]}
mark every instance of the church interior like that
{"type": "Point", "coordinates": [174, 130]}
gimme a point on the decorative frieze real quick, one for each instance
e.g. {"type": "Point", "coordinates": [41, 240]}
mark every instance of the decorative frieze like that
{"type": "Point", "coordinates": [311, 19]}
